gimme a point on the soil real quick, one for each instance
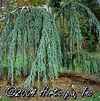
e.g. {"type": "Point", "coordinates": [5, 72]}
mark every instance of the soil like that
{"type": "Point", "coordinates": [66, 81]}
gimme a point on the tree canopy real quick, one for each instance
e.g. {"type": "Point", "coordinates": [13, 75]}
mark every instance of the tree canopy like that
{"type": "Point", "coordinates": [32, 45]}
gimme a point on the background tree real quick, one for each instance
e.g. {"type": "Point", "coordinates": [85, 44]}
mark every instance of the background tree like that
{"type": "Point", "coordinates": [90, 40]}
{"type": "Point", "coordinates": [55, 5]}
{"type": "Point", "coordinates": [94, 6]}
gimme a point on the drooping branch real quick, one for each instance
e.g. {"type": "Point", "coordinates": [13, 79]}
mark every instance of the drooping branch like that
{"type": "Point", "coordinates": [33, 45]}
{"type": "Point", "coordinates": [70, 14]}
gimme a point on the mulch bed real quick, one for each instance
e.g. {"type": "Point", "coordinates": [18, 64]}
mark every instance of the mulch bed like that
{"type": "Point", "coordinates": [66, 81]}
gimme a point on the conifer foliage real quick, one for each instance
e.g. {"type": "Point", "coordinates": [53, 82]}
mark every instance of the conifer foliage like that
{"type": "Point", "coordinates": [70, 15]}
{"type": "Point", "coordinates": [30, 42]}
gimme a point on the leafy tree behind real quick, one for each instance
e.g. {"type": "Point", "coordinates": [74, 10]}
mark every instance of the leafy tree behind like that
{"type": "Point", "coordinates": [94, 6]}
{"type": "Point", "coordinates": [55, 4]}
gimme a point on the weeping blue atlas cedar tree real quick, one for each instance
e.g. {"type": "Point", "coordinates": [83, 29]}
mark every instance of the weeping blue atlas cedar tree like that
{"type": "Point", "coordinates": [31, 44]}
{"type": "Point", "coordinates": [68, 21]}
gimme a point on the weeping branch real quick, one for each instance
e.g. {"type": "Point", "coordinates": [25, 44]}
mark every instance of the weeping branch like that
{"type": "Point", "coordinates": [69, 18]}
{"type": "Point", "coordinates": [32, 45]}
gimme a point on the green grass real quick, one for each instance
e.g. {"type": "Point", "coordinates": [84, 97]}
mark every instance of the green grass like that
{"type": "Point", "coordinates": [3, 99]}
{"type": "Point", "coordinates": [97, 98]}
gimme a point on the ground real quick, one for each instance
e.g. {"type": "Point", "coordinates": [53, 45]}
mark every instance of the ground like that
{"type": "Point", "coordinates": [65, 81]}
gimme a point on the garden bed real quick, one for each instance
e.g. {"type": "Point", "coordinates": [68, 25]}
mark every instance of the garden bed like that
{"type": "Point", "coordinates": [66, 81]}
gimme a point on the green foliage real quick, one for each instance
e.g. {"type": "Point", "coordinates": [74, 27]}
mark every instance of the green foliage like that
{"type": "Point", "coordinates": [30, 35]}
{"type": "Point", "coordinates": [1, 25]}
{"type": "Point", "coordinates": [3, 99]}
{"type": "Point", "coordinates": [33, 45]}
{"type": "Point", "coordinates": [27, 2]}
{"type": "Point", "coordinates": [69, 16]}
{"type": "Point", "coordinates": [71, 1]}
{"type": "Point", "coordinates": [97, 98]}
{"type": "Point", "coordinates": [55, 4]}
{"type": "Point", "coordinates": [37, 2]}
{"type": "Point", "coordinates": [94, 6]}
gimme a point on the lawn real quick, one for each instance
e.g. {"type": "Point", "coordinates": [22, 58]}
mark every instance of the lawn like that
{"type": "Point", "coordinates": [97, 98]}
